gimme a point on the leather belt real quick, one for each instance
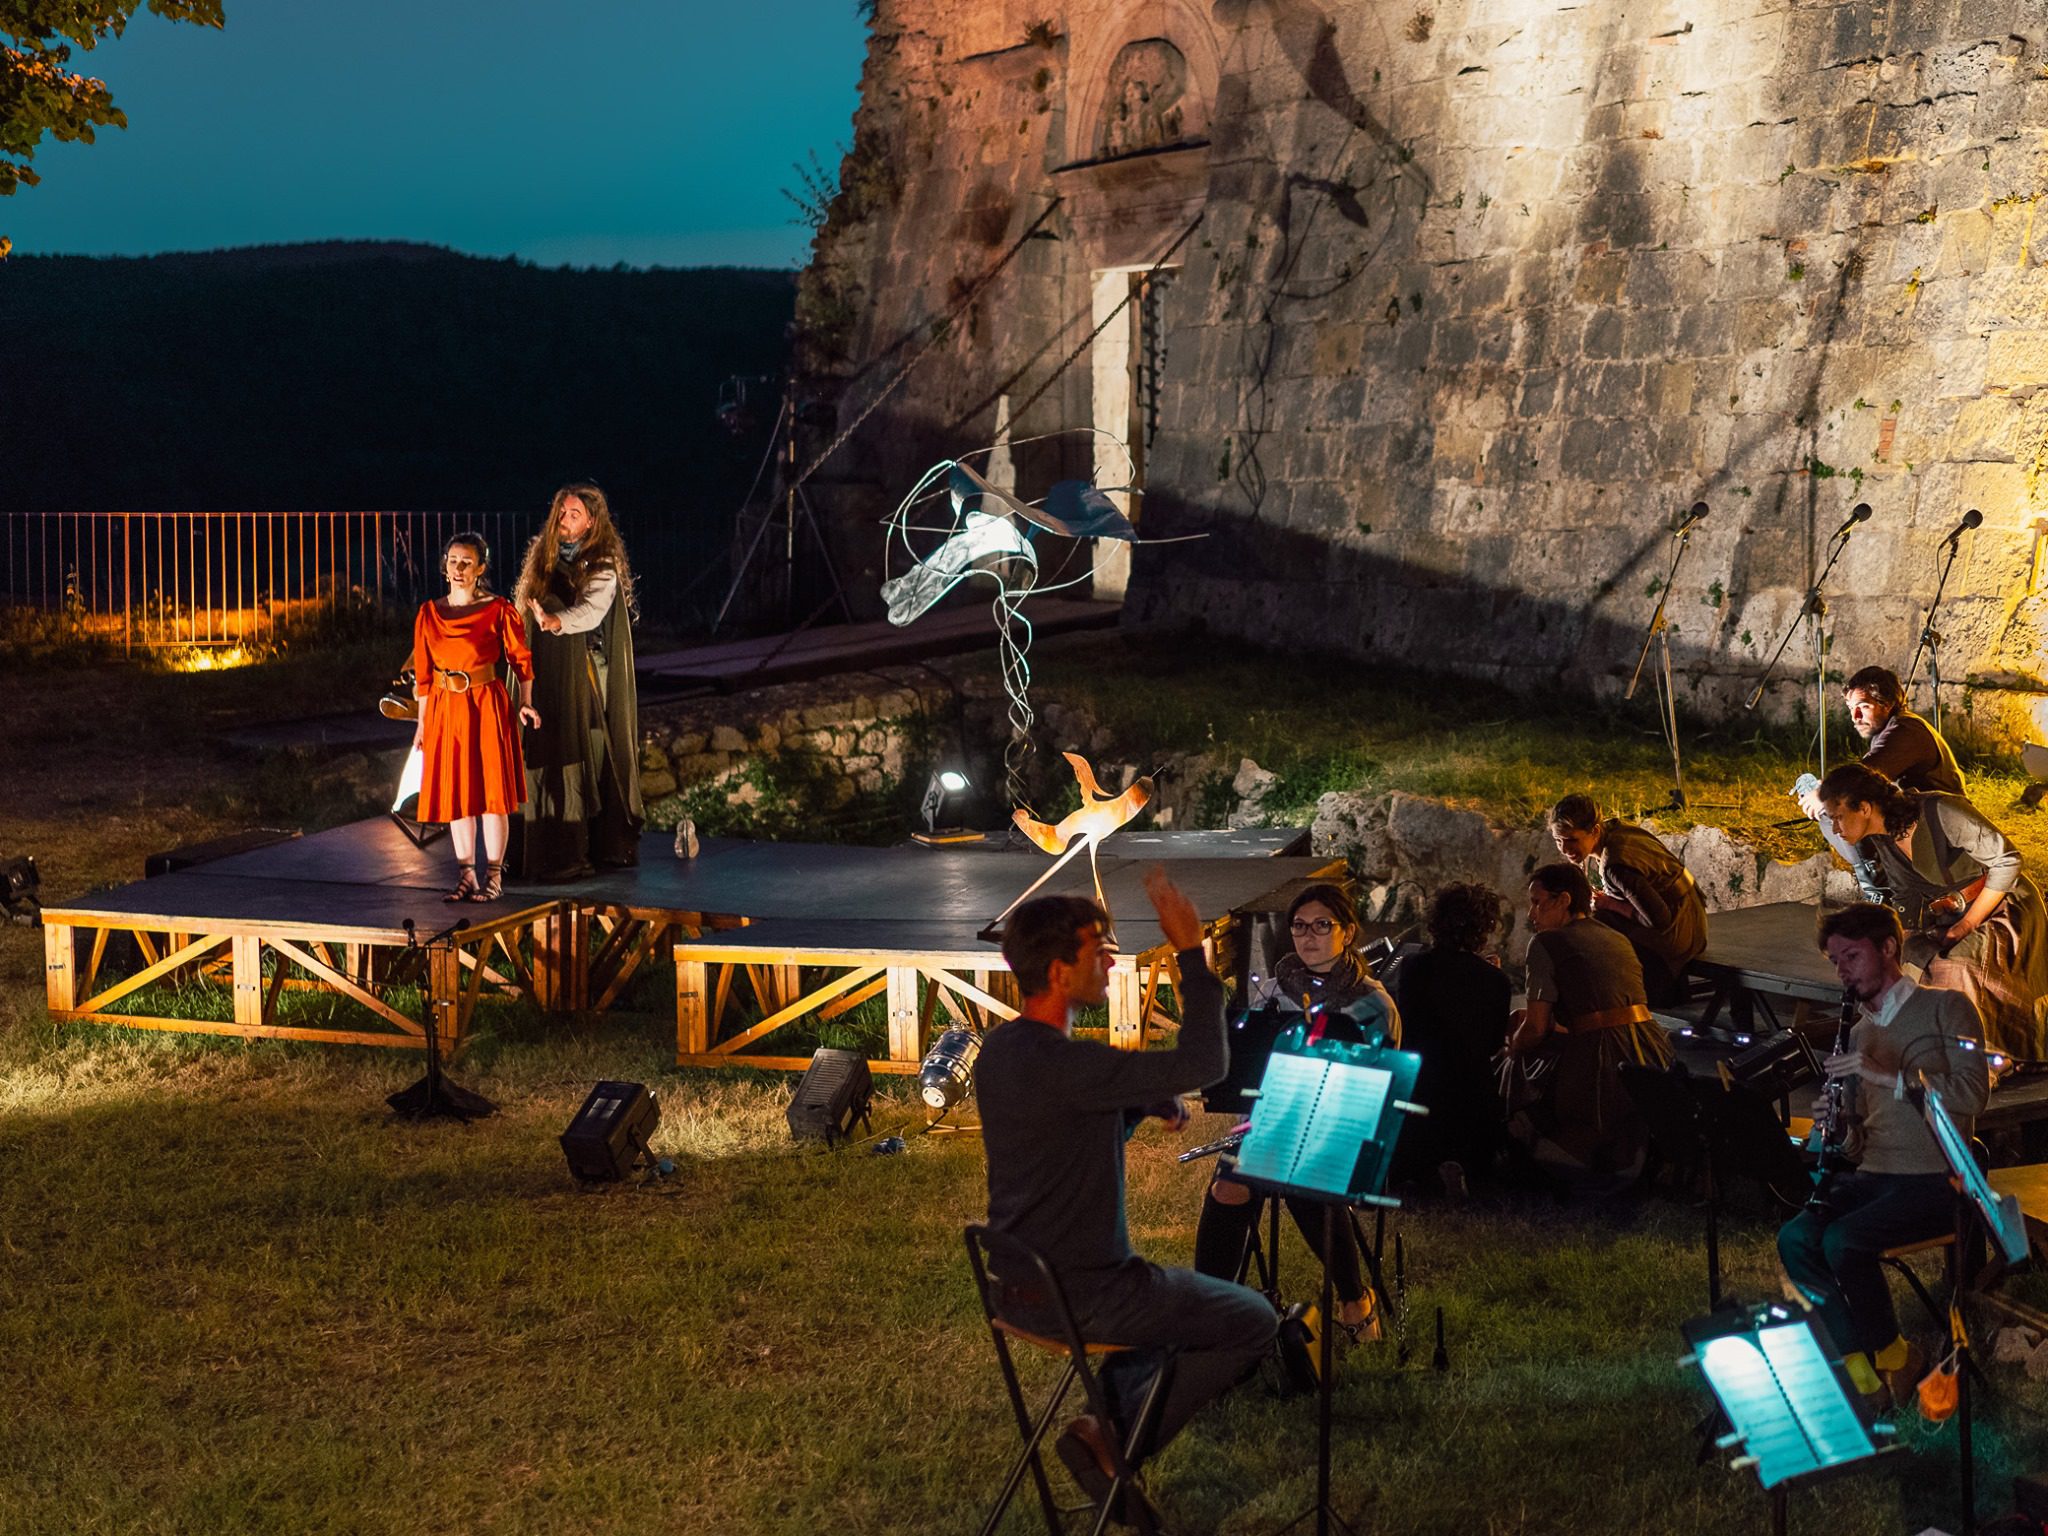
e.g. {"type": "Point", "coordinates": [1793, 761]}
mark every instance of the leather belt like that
{"type": "Point", "coordinates": [1607, 1018]}
{"type": "Point", "coordinates": [454, 680]}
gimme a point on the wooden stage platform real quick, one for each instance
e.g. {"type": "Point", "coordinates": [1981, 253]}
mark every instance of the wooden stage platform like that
{"type": "Point", "coordinates": [806, 928]}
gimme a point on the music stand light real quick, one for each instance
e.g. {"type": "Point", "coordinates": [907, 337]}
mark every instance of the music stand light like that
{"type": "Point", "coordinates": [1795, 1416]}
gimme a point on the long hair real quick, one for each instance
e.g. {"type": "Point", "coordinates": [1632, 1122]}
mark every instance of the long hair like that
{"type": "Point", "coordinates": [602, 549]}
{"type": "Point", "coordinates": [1860, 785]}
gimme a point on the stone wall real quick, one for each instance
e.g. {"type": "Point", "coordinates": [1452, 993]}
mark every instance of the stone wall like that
{"type": "Point", "coordinates": [1482, 292]}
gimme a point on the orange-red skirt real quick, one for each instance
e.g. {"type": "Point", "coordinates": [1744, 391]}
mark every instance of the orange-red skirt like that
{"type": "Point", "coordinates": [471, 763]}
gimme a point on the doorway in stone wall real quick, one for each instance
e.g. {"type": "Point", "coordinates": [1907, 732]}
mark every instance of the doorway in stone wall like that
{"type": "Point", "coordinates": [1128, 368]}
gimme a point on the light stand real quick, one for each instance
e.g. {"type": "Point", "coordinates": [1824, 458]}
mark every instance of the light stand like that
{"type": "Point", "coordinates": [1659, 634]}
{"type": "Point", "coordinates": [433, 1096]}
{"type": "Point", "coordinates": [1814, 614]}
{"type": "Point", "coordinates": [1930, 637]}
{"type": "Point", "coordinates": [796, 506]}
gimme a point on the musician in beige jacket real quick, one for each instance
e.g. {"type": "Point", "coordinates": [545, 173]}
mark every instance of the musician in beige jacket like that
{"type": "Point", "coordinates": [1907, 1039]}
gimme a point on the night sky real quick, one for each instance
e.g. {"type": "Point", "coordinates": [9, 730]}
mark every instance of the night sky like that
{"type": "Point", "coordinates": [650, 132]}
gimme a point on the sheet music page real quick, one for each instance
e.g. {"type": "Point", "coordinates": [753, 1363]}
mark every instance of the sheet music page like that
{"type": "Point", "coordinates": [1280, 1117]}
{"type": "Point", "coordinates": [1346, 1115]}
{"type": "Point", "coordinates": [1757, 1408]}
{"type": "Point", "coordinates": [1814, 1398]}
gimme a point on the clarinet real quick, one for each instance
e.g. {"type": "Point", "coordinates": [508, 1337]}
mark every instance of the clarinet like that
{"type": "Point", "coordinates": [1834, 1114]}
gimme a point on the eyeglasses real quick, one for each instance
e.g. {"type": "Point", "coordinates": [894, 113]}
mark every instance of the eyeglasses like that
{"type": "Point", "coordinates": [1320, 928]}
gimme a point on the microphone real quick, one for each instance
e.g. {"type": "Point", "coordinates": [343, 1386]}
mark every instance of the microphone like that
{"type": "Point", "coordinates": [1857, 514]}
{"type": "Point", "coordinates": [1971, 519]}
{"type": "Point", "coordinates": [1697, 514]}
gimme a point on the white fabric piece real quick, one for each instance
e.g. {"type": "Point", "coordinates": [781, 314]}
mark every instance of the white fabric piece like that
{"type": "Point", "coordinates": [980, 540]}
{"type": "Point", "coordinates": [598, 593]}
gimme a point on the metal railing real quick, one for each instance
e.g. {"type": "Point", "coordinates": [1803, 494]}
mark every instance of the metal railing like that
{"type": "Point", "coordinates": [177, 579]}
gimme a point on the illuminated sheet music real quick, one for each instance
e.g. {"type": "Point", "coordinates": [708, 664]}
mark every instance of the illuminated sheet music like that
{"type": "Point", "coordinates": [1786, 1402]}
{"type": "Point", "coordinates": [1312, 1118]}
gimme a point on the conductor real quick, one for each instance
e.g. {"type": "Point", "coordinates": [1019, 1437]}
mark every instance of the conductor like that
{"type": "Point", "coordinates": [1055, 1113]}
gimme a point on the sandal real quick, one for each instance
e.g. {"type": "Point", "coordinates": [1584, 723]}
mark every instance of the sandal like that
{"type": "Point", "coordinates": [494, 882]}
{"type": "Point", "coordinates": [465, 888]}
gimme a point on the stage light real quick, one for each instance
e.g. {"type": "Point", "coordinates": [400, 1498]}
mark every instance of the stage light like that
{"type": "Point", "coordinates": [608, 1138]}
{"type": "Point", "coordinates": [20, 883]}
{"type": "Point", "coordinates": [948, 1071]}
{"type": "Point", "coordinates": [943, 785]}
{"type": "Point", "coordinates": [837, 1089]}
{"type": "Point", "coordinates": [209, 659]}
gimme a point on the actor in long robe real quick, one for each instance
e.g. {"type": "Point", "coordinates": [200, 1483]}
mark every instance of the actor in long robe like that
{"type": "Point", "coordinates": [583, 809]}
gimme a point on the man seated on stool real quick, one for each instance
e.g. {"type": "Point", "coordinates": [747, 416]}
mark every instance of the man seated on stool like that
{"type": "Point", "coordinates": [1055, 1112]}
{"type": "Point", "coordinates": [1906, 1035]}
{"type": "Point", "coordinates": [1901, 745]}
{"type": "Point", "coordinates": [1640, 890]}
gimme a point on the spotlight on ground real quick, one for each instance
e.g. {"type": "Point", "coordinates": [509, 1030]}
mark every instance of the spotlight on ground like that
{"type": "Point", "coordinates": [836, 1090]}
{"type": "Point", "coordinates": [947, 1075]}
{"type": "Point", "coordinates": [608, 1138]}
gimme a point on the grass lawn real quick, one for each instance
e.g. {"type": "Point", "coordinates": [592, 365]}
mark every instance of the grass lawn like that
{"type": "Point", "coordinates": [235, 1296]}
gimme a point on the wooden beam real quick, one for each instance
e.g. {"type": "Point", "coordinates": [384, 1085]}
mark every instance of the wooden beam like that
{"type": "Point", "coordinates": [348, 988]}
{"type": "Point", "coordinates": [797, 1009]}
{"type": "Point", "coordinates": [60, 967]}
{"type": "Point", "coordinates": [780, 1063]}
{"type": "Point", "coordinates": [651, 937]}
{"type": "Point", "coordinates": [854, 999]}
{"type": "Point", "coordinates": [246, 952]}
{"type": "Point", "coordinates": [903, 1019]}
{"type": "Point", "coordinates": [149, 973]}
{"type": "Point", "coordinates": [99, 951]}
{"type": "Point", "coordinates": [249, 1031]}
{"type": "Point", "coordinates": [693, 1017]}
{"type": "Point", "coordinates": [971, 991]}
{"type": "Point", "coordinates": [1126, 1023]}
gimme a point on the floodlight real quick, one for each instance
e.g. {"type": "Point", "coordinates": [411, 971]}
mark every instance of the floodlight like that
{"type": "Point", "coordinates": [948, 1070]}
{"type": "Point", "coordinates": [944, 785]}
{"type": "Point", "coordinates": [837, 1089]}
{"type": "Point", "coordinates": [608, 1138]}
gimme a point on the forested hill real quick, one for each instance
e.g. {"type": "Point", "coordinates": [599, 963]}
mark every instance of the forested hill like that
{"type": "Point", "coordinates": [357, 376]}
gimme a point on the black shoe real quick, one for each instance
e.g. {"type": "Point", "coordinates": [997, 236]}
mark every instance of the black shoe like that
{"type": "Point", "coordinates": [1084, 1451]}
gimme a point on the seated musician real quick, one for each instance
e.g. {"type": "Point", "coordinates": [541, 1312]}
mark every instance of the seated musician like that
{"type": "Point", "coordinates": [1055, 1112]}
{"type": "Point", "coordinates": [1640, 890]}
{"type": "Point", "coordinates": [1454, 1002]}
{"type": "Point", "coordinates": [1901, 745]}
{"type": "Point", "coordinates": [1325, 973]}
{"type": "Point", "coordinates": [1586, 1015]}
{"type": "Point", "coordinates": [1974, 920]}
{"type": "Point", "coordinates": [1898, 1192]}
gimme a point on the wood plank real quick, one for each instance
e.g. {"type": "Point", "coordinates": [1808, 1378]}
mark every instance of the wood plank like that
{"type": "Point", "coordinates": [346, 987]}
{"type": "Point", "coordinates": [780, 1063]}
{"type": "Point", "coordinates": [903, 1014]}
{"type": "Point", "coordinates": [693, 1017]}
{"type": "Point", "coordinates": [796, 1009]}
{"type": "Point", "coordinates": [99, 953]}
{"type": "Point", "coordinates": [854, 998]}
{"type": "Point", "coordinates": [971, 991]}
{"type": "Point", "coordinates": [247, 1031]}
{"type": "Point", "coordinates": [651, 937]}
{"type": "Point", "coordinates": [1126, 1022]}
{"type": "Point", "coordinates": [149, 973]}
{"type": "Point", "coordinates": [60, 967]}
{"type": "Point", "coordinates": [247, 979]}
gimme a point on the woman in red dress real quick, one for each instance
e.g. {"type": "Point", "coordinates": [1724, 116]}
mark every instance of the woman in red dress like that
{"type": "Point", "coordinates": [462, 646]}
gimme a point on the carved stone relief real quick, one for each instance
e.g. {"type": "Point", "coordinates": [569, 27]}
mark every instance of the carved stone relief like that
{"type": "Point", "coordinates": [1143, 105]}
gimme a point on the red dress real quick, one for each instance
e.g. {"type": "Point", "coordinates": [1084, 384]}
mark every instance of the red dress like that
{"type": "Point", "coordinates": [471, 763]}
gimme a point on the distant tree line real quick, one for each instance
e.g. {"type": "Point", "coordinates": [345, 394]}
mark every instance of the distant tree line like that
{"type": "Point", "coordinates": [350, 377]}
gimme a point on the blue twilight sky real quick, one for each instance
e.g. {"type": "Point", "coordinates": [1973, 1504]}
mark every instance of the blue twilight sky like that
{"type": "Point", "coordinates": [653, 132]}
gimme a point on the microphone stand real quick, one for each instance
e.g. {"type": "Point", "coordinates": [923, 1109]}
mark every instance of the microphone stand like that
{"type": "Point", "coordinates": [1930, 638]}
{"type": "Point", "coordinates": [1659, 635]}
{"type": "Point", "coordinates": [1814, 613]}
{"type": "Point", "coordinates": [433, 1095]}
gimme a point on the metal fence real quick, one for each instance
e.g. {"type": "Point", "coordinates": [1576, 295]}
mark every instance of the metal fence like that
{"type": "Point", "coordinates": [158, 579]}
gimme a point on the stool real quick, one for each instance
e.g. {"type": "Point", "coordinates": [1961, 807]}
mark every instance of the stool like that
{"type": "Point", "coordinates": [993, 1255]}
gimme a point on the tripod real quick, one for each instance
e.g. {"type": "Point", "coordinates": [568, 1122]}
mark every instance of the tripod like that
{"type": "Point", "coordinates": [433, 1096]}
{"type": "Point", "coordinates": [1814, 612]}
{"type": "Point", "coordinates": [1930, 637]}
{"type": "Point", "coordinates": [1659, 634]}
{"type": "Point", "coordinates": [796, 506]}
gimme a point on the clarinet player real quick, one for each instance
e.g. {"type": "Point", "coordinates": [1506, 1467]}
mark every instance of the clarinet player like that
{"type": "Point", "coordinates": [1906, 1036]}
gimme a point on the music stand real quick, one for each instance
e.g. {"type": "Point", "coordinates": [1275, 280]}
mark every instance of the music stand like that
{"type": "Point", "coordinates": [1975, 1200]}
{"type": "Point", "coordinates": [1790, 1405]}
{"type": "Point", "coordinates": [1322, 1129]}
